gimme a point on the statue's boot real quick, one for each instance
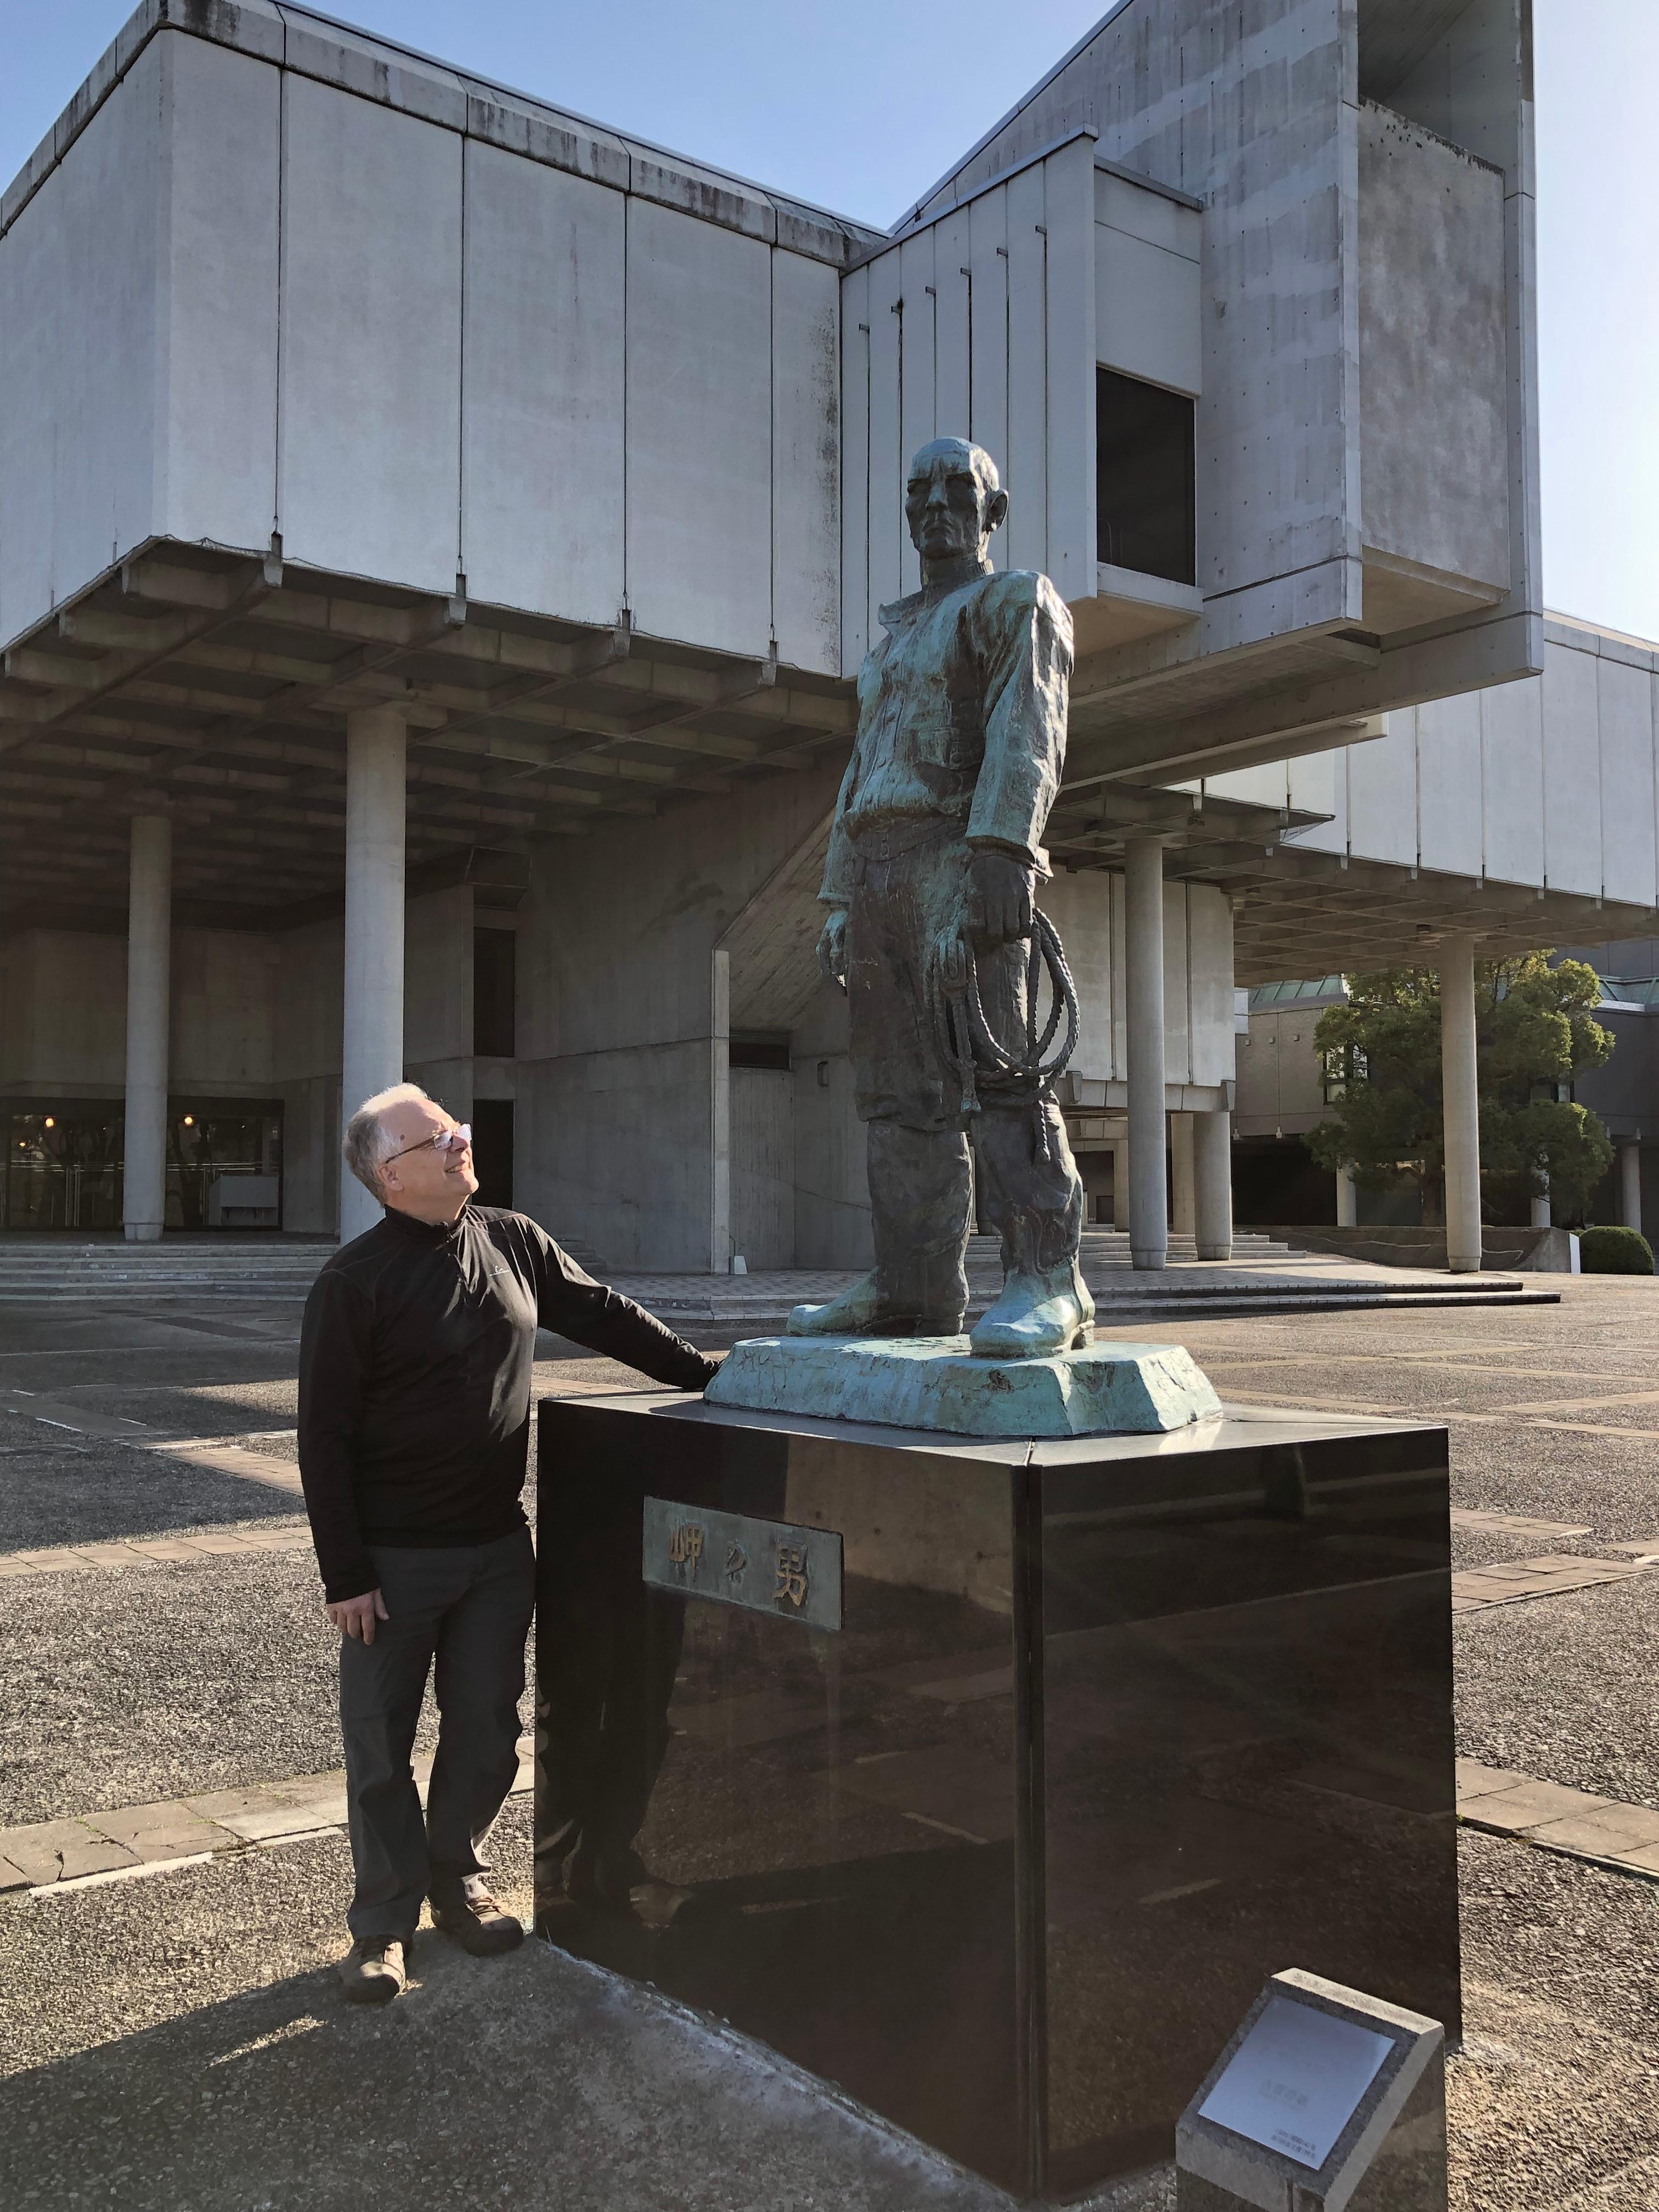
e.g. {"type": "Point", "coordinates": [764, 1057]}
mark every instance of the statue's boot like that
{"type": "Point", "coordinates": [921, 1190]}
{"type": "Point", "coordinates": [1033, 1197]}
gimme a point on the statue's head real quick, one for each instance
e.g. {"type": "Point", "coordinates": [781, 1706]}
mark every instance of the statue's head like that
{"type": "Point", "coordinates": [954, 500]}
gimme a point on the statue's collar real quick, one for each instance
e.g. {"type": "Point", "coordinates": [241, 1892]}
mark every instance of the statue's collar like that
{"type": "Point", "coordinates": [947, 577]}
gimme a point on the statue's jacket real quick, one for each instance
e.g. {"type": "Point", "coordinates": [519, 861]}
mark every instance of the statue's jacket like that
{"type": "Point", "coordinates": [962, 722]}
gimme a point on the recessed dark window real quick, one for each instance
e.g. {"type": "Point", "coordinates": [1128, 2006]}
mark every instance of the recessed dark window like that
{"type": "Point", "coordinates": [1144, 477]}
{"type": "Point", "coordinates": [494, 992]}
{"type": "Point", "coordinates": [772, 1051]}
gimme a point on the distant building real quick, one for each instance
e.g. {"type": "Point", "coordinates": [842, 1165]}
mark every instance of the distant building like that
{"type": "Point", "coordinates": [438, 537]}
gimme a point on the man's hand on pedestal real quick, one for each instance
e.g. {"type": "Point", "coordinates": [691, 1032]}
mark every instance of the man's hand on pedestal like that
{"type": "Point", "coordinates": [832, 946]}
{"type": "Point", "coordinates": [999, 902]}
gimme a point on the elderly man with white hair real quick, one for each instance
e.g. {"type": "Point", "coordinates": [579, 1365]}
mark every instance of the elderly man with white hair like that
{"type": "Point", "coordinates": [415, 1366]}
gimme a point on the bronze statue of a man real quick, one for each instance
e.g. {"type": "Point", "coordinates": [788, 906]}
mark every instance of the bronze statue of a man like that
{"type": "Point", "coordinates": [938, 838]}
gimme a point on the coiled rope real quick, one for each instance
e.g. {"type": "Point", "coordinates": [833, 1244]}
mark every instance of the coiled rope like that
{"type": "Point", "coordinates": [976, 1056]}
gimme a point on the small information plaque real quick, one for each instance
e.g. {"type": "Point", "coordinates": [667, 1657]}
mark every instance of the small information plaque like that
{"type": "Point", "coordinates": [1297, 2080]}
{"type": "Point", "coordinates": [768, 1566]}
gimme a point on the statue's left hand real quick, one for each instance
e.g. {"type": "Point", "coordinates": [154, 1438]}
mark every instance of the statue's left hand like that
{"type": "Point", "coordinates": [998, 902]}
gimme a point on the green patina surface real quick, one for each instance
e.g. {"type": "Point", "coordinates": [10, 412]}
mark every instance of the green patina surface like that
{"type": "Point", "coordinates": [933, 1382]}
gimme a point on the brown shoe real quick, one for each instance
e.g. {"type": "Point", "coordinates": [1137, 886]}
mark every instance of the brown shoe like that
{"type": "Point", "coordinates": [373, 1971]}
{"type": "Point", "coordinates": [472, 1915]}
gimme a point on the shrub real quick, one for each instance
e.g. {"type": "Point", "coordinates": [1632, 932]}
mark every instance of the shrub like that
{"type": "Point", "coordinates": [1615, 1252]}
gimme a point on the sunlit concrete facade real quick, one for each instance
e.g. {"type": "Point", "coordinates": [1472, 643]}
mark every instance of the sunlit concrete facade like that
{"type": "Point", "coordinates": [355, 411]}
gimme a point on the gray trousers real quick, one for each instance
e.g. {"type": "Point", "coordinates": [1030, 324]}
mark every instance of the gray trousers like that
{"type": "Point", "coordinates": [460, 1615]}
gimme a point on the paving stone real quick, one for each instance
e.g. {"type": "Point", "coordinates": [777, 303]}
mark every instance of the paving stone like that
{"type": "Point", "coordinates": [1607, 1834]}
{"type": "Point", "coordinates": [168, 1830]}
{"type": "Point", "coordinates": [220, 1547]}
{"type": "Point", "coordinates": [56, 1560]}
{"type": "Point", "coordinates": [112, 1555]}
{"type": "Point", "coordinates": [14, 1569]}
{"type": "Point", "coordinates": [258, 1816]}
{"type": "Point", "coordinates": [168, 1548]}
{"type": "Point", "coordinates": [60, 1851]}
{"type": "Point", "coordinates": [11, 1876]}
{"type": "Point", "coordinates": [1474, 1780]}
{"type": "Point", "coordinates": [1644, 1858]}
{"type": "Point", "coordinates": [1532, 1804]}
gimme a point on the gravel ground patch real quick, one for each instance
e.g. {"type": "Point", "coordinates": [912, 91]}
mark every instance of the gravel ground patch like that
{"type": "Point", "coordinates": [1551, 2106]}
{"type": "Point", "coordinates": [1562, 1688]}
{"type": "Point", "coordinates": [91, 1492]}
{"type": "Point", "coordinates": [225, 2074]}
{"type": "Point", "coordinates": [130, 1685]}
{"type": "Point", "coordinates": [1609, 1483]}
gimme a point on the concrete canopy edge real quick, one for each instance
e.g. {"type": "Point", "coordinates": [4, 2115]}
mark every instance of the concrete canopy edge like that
{"type": "Point", "coordinates": [319, 47]}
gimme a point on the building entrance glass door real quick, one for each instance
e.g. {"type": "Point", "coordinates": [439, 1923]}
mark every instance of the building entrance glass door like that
{"type": "Point", "coordinates": [63, 1166]}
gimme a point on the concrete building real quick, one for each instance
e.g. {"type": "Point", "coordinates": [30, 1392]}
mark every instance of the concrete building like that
{"type": "Point", "coordinates": [438, 537]}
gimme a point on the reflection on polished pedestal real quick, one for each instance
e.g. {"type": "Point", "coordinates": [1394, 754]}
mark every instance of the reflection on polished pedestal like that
{"type": "Point", "coordinates": [1110, 1730]}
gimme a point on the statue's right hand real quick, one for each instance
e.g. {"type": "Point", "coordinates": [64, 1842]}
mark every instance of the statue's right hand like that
{"type": "Point", "coordinates": [832, 946]}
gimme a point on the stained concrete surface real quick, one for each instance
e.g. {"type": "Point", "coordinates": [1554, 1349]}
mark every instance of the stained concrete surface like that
{"type": "Point", "coordinates": [176, 2041]}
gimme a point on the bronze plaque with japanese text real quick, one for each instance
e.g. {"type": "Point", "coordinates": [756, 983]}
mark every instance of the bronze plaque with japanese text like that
{"type": "Point", "coordinates": [767, 1566]}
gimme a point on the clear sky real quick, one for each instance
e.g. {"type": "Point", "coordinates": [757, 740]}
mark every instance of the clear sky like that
{"type": "Point", "coordinates": [861, 105]}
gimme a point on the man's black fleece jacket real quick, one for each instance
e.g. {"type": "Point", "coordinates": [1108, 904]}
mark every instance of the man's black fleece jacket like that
{"type": "Point", "coordinates": [415, 1362]}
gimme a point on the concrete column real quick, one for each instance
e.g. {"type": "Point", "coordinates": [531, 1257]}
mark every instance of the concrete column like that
{"type": "Point", "coordinates": [1212, 1184]}
{"type": "Point", "coordinates": [1461, 1102]}
{"type": "Point", "coordinates": [1148, 1216]}
{"type": "Point", "coordinates": [149, 961]}
{"type": "Point", "coordinates": [372, 1053]}
{"type": "Point", "coordinates": [1182, 1215]}
{"type": "Point", "coordinates": [1347, 1201]}
{"type": "Point", "coordinates": [1630, 1182]}
{"type": "Point", "coordinates": [1120, 1185]}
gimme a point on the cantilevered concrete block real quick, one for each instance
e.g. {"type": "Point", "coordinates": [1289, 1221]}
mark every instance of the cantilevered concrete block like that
{"type": "Point", "coordinates": [931, 1382]}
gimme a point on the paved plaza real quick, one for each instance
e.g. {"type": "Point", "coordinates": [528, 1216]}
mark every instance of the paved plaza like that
{"type": "Point", "coordinates": [174, 1872]}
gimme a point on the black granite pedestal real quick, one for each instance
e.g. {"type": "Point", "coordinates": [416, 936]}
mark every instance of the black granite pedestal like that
{"type": "Point", "coordinates": [1107, 1731]}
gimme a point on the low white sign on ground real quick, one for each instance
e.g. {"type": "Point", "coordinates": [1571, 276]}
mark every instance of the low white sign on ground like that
{"type": "Point", "coordinates": [1325, 2100]}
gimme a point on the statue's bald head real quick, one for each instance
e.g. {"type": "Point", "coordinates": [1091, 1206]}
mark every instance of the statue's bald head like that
{"type": "Point", "coordinates": [953, 500]}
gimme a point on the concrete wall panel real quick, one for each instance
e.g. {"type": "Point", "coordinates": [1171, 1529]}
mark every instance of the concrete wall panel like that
{"type": "Point", "coordinates": [699, 432]}
{"type": "Point", "coordinates": [1068, 239]}
{"type": "Point", "coordinates": [1027, 474]}
{"type": "Point", "coordinates": [889, 539]}
{"type": "Point", "coordinates": [918, 420]}
{"type": "Point", "coordinates": [807, 463]}
{"type": "Point", "coordinates": [1146, 309]}
{"type": "Point", "coordinates": [1383, 793]}
{"type": "Point", "coordinates": [1624, 697]}
{"type": "Point", "coordinates": [216, 468]}
{"type": "Point", "coordinates": [1210, 970]}
{"type": "Point", "coordinates": [1433, 352]}
{"type": "Point", "coordinates": [763, 1166]}
{"type": "Point", "coordinates": [438, 976]}
{"type": "Point", "coordinates": [543, 468]}
{"type": "Point", "coordinates": [1177, 987]}
{"type": "Point", "coordinates": [987, 231]}
{"type": "Point", "coordinates": [855, 470]}
{"type": "Point", "coordinates": [1449, 779]}
{"type": "Point", "coordinates": [223, 1023]}
{"type": "Point", "coordinates": [952, 326]}
{"type": "Point", "coordinates": [1319, 785]}
{"type": "Point", "coordinates": [1573, 773]}
{"type": "Point", "coordinates": [1080, 906]}
{"type": "Point", "coordinates": [371, 375]}
{"type": "Point", "coordinates": [1512, 780]}
{"type": "Point", "coordinates": [106, 205]}
{"type": "Point", "coordinates": [28, 432]}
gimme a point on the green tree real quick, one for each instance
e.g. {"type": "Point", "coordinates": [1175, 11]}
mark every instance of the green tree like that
{"type": "Point", "coordinates": [1534, 1034]}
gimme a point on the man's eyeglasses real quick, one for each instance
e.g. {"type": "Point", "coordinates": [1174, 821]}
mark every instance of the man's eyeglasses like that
{"type": "Point", "coordinates": [446, 1140]}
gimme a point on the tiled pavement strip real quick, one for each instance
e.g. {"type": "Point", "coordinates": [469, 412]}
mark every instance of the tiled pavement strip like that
{"type": "Point", "coordinates": [55, 1855]}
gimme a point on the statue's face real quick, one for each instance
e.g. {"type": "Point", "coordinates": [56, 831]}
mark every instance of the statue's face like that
{"type": "Point", "coordinates": [947, 506]}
